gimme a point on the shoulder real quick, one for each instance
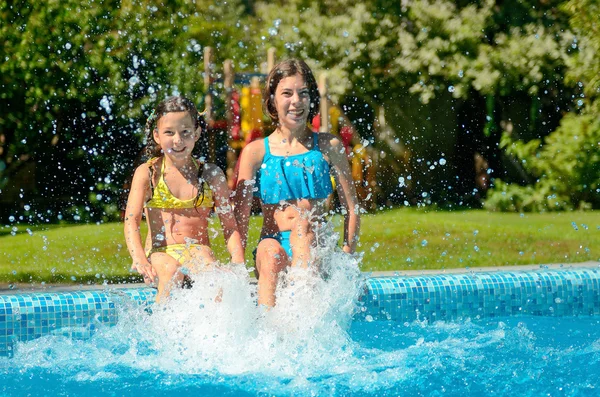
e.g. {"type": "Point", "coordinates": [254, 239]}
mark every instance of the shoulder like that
{"type": "Point", "coordinates": [142, 170]}
{"type": "Point", "coordinates": [254, 151]}
{"type": "Point", "coordinates": [211, 168]}
{"type": "Point", "coordinates": [141, 175]}
{"type": "Point", "coordinates": [212, 173]}
{"type": "Point", "coordinates": [154, 163]}
{"type": "Point", "coordinates": [256, 147]}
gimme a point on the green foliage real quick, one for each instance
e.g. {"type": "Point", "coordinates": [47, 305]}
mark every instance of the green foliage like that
{"type": "Point", "coordinates": [77, 79]}
{"type": "Point", "coordinates": [566, 166]}
{"type": "Point", "coordinates": [426, 46]}
{"type": "Point", "coordinates": [461, 70]}
{"type": "Point", "coordinates": [585, 63]}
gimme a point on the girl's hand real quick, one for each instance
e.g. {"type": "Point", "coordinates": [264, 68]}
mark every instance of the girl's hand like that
{"type": "Point", "coordinates": [146, 270]}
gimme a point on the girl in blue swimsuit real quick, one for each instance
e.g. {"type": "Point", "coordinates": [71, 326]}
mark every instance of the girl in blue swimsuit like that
{"type": "Point", "coordinates": [290, 171]}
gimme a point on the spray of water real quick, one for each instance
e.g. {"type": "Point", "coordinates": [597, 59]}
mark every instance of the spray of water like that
{"type": "Point", "coordinates": [217, 328]}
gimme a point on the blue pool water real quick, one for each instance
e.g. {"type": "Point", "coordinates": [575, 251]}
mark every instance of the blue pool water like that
{"type": "Point", "coordinates": [508, 333]}
{"type": "Point", "coordinates": [529, 356]}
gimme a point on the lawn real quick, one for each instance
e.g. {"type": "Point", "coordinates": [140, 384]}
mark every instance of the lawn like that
{"type": "Point", "coordinates": [396, 239]}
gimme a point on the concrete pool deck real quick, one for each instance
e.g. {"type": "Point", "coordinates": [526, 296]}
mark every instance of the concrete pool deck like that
{"type": "Point", "coordinates": [8, 288]}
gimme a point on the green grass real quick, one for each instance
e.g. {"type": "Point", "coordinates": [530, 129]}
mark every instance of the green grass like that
{"type": "Point", "coordinates": [397, 239]}
{"type": "Point", "coordinates": [417, 240]}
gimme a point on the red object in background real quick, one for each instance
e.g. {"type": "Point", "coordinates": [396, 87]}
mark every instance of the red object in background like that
{"type": "Point", "coordinates": [236, 122]}
{"type": "Point", "coordinates": [253, 135]}
{"type": "Point", "coordinates": [346, 133]}
{"type": "Point", "coordinates": [316, 123]}
{"type": "Point", "coordinates": [219, 125]}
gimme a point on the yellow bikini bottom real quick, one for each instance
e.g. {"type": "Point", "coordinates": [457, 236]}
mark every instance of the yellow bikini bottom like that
{"type": "Point", "coordinates": [182, 253]}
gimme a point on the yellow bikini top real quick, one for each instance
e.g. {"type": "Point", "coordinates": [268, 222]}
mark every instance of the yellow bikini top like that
{"type": "Point", "coordinates": [163, 198]}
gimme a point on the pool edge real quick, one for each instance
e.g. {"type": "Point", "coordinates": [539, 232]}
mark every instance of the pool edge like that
{"type": "Point", "coordinates": [538, 290]}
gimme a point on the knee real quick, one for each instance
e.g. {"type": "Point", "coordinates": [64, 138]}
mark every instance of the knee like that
{"type": "Point", "coordinates": [272, 259]}
{"type": "Point", "coordinates": [202, 256]}
{"type": "Point", "coordinates": [165, 267]}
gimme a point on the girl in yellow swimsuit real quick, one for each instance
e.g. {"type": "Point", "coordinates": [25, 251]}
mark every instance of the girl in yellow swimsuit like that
{"type": "Point", "coordinates": [176, 193]}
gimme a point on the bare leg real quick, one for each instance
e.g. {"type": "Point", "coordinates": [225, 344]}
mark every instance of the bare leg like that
{"type": "Point", "coordinates": [201, 256]}
{"type": "Point", "coordinates": [271, 259]}
{"type": "Point", "coordinates": [302, 238]}
{"type": "Point", "coordinates": [166, 268]}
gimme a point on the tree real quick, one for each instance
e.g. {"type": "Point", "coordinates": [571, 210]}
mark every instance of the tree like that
{"type": "Point", "coordinates": [450, 74]}
{"type": "Point", "coordinates": [77, 80]}
{"type": "Point", "coordinates": [566, 165]}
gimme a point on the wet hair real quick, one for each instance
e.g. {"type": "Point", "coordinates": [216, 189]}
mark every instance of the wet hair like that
{"type": "Point", "coordinates": [173, 104]}
{"type": "Point", "coordinates": [288, 68]}
{"type": "Point", "coordinates": [170, 105]}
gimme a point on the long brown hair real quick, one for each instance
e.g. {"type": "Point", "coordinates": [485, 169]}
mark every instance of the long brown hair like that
{"type": "Point", "coordinates": [290, 67]}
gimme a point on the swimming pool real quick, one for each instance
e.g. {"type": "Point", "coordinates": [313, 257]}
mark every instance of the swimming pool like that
{"type": "Point", "coordinates": [493, 333]}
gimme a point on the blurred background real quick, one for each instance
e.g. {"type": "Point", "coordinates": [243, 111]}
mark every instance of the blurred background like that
{"type": "Point", "coordinates": [447, 104]}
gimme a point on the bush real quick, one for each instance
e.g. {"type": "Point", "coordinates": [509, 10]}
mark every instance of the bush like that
{"type": "Point", "coordinates": [566, 166]}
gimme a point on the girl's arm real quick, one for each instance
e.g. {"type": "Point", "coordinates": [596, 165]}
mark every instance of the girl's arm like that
{"type": "Point", "coordinates": [346, 190]}
{"type": "Point", "coordinates": [224, 208]}
{"type": "Point", "coordinates": [140, 186]}
{"type": "Point", "coordinates": [250, 159]}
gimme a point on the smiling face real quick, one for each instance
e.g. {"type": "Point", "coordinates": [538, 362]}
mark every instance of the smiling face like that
{"type": "Point", "coordinates": [175, 135]}
{"type": "Point", "coordinates": [292, 102]}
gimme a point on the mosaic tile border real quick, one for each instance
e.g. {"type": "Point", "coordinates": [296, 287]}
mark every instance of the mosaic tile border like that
{"type": "Point", "coordinates": [572, 292]}
{"type": "Point", "coordinates": [77, 314]}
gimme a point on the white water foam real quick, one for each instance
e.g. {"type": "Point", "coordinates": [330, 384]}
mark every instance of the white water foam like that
{"type": "Point", "coordinates": [304, 336]}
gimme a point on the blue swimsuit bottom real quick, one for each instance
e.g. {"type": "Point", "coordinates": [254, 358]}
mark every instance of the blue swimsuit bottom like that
{"type": "Point", "coordinates": [282, 238]}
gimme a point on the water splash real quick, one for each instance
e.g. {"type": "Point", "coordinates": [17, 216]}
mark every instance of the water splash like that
{"type": "Point", "coordinates": [216, 328]}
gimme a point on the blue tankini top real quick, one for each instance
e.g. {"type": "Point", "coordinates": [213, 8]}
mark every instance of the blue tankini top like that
{"type": "Point", "coordinates": [299, 176]}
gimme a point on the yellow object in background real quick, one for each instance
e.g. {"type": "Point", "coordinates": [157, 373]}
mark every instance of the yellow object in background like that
{"type": "Point", "coordinates": [246, 120]}
{"type": "Point", "coordinates": [334, 119]}
{"type": "Point", "coordinates": [251, 109]}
